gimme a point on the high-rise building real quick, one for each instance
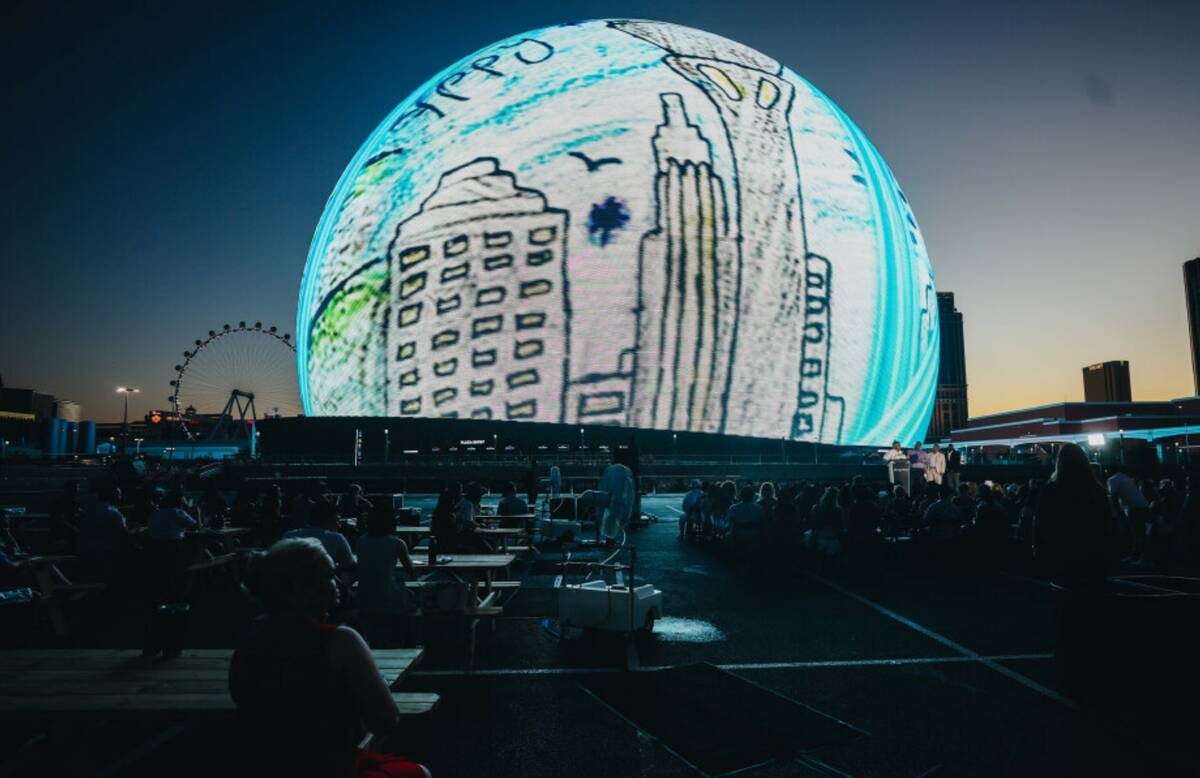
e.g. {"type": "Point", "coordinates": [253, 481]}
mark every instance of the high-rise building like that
{"type": "Point", "coordinates": [1107, 382]}
{"type": "Point", "coordinates": [950, 402]}
{"type": "Point", "coordinates": [478, 325]}
{"type": "Point", "coordinates": [1191, 283]}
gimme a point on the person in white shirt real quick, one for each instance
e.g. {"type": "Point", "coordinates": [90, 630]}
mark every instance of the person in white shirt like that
{"type": "Point", "coordinates": [935, 468]}
{"type": "Point", "coordinates": [1134, 506]}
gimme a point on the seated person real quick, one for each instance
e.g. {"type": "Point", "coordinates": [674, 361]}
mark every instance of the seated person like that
{"type": "Point", "coordinates": [353, 505]}
{"type": "Point", "coordinates": [169, 521]}
{"type": "Point", "coordinates": [465, 512]}
{"type": "Point", "coordinates": [324, 528]}
{"type": "Point", "coordinates": [103, 535]}
{"type": "Point", "coordinates": [511, 505]}
{"type": "Point", "coordinates": [745, 518]}
{"type": "Point", "coordinates": [381, 589]}
{"type": "Point", "coordinates": [303, 686]}
{"type": "Point", "coordinates": [942, 517]}
{"type": "Point", "coordinates": [167, 552]}
{"type": "Point", "coordinates": [213, 508]}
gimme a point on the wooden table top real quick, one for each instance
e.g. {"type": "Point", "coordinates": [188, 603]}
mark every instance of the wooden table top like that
{"type": "Point", "coordinates": [54, 681]}
{"type": "Point", "coordinates": [467, 562]}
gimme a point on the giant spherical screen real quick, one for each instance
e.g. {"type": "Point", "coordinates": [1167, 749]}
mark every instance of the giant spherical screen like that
{"type": "Point", "coordinates": [622, 222]}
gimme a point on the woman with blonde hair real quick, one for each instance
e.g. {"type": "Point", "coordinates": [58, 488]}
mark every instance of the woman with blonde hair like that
{"type": "Point", "coordinates": [302, 682]}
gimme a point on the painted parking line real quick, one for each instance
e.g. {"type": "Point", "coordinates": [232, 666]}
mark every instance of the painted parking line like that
{"type": "Point", "coordinates": [734, 666]}
{"type": "Point", "coordinates": [991, 664]}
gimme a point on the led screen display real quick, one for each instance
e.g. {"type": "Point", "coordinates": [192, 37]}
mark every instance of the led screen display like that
{"type": "Point", "coordinates": [622, 222]}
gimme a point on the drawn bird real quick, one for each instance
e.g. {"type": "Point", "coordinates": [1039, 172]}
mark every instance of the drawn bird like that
{"type": "Point", "coordinates": [593, 164]}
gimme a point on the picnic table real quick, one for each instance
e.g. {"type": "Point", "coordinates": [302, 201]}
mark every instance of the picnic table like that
{"type": "Point", "coordinates": [484, 566]}
{"type": "Point", "coordinates": [95, 681]}
{"type": "Point", "coordinates": [503, 533]}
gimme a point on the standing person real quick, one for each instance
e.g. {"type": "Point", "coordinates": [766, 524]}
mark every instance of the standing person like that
{"type": "Point", "coordinates": [1135, 507]}
{"type": "Point", "coordinates": [919, 459]}
{"type": "Point", "coordinates": [555, 481]}
{"type": "Point", "coordinates": [1072, 526]}
{"type": "Point", "coordinates": [306, 683]}
{"type": "Point", "coordinates": [896, 457]}
{"type": "Point", "coordinates": [953, 466]}
{"type": "Point", "coordinates": [531, 481]}
{"type": "Point", "coordinates": [935, 467]}
{"type": "Point", "coordinates": [691, 508]}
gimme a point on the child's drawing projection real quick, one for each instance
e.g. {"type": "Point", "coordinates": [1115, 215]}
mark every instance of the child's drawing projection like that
{"type": "Point", "coordinates": [622, 222]}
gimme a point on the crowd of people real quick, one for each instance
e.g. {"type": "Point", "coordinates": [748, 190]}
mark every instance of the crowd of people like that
{"type": "Point", "coordinates": [1073, 514]}
{"type": "Point", "coordinates": [332, 559]}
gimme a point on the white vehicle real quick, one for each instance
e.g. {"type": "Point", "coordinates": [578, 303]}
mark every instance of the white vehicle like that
{"type": "Point", "coordinates": [598, 605]}
{"type": "Point", "coordinates": [619, 607]}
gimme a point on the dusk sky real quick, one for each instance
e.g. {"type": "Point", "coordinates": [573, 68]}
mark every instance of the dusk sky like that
{"type": "Point", "coordinates": [166, 167]}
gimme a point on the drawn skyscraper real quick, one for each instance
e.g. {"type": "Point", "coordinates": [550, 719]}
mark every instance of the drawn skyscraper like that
{"type": "Point", "coordinates": [780, 336]}
{"type": "Point", "coordinates": [688, 282]}
{"type": "Point", "coordinates": [478, 319]}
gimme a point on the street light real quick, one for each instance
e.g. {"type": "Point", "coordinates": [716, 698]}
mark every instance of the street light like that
{"type": "Point", "coordinates": [675, 445]}
{"type": "Point", "coordinates": [581, 438]}
{"type": "Point", "coordinates": [138, 451]}
{"type": "Point", "coordinates": [495, 446]}
{"type": "Point", "coordinates": [126, 390]}
{"type": "Point", "coordinates": [387, 444]}
{"type": "Point", "coordinates": [1122, 433]}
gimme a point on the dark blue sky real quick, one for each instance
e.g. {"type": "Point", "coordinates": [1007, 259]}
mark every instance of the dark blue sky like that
{"type": "Point", "coordinates": [165, 167]}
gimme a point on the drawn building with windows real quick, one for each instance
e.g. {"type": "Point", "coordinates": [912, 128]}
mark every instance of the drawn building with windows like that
{"type": "Point", "coordinates": [777, 371]}
{"type": "Point", "coordinates": [478, 321]}
{"type": "Point", "coordinates": [687, 279]}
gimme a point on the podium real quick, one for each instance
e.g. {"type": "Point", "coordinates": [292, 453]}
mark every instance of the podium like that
{"type": "Point", "coordinates": [898, 473]}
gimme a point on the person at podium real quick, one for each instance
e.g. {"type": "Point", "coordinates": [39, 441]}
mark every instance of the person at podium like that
{"type": "Point", "coordinates": [895, 458]}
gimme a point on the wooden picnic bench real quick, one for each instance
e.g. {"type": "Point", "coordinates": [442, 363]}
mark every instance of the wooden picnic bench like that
{"type": "Point", "coordinates": [90, 681]}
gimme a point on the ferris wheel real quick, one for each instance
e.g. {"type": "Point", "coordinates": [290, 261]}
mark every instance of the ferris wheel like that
{"type": "Point", "coordinates": [236, 374]}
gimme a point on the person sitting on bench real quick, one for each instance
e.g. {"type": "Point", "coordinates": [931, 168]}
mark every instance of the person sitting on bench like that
{"type": "Point", "coordinates": [304, 686]}
{"type": "Point", "coordinates": [382, 599]}
{"type": "Point", "coordinates": [511, 505]}
{"type": "Point", "coordinates": [323, 527]}
{"type": "Point", "coordinates": [104, 536]}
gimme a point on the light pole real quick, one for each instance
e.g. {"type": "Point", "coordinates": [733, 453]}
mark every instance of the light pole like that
{"type": "Point", "coordinates": [1187, 442]}
{"type": "Point", "coordinates": [138, 443]}
{"type": "Point", "coordinates": [387, 444]}
{"type": "Point", "coordinates": [1122, 433]}
{"type": "Point", "coordinates": [675, 445]}
{"type": "Point", "coordinates": [581, 438]}
{"type": "Point", "coordinates": [495, 446]}
{"type": "Point", "coordinates": [126, 390]}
